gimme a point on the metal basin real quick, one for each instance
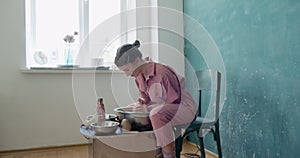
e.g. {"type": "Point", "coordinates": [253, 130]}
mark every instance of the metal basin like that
{"type": "Point", "coordinates": [135, 118]}
{"type": "Point", "coordinates": [107, 127]}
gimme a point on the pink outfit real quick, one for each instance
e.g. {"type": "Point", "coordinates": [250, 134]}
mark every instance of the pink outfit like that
{"type": "Point", "coordinates": [175, 106]}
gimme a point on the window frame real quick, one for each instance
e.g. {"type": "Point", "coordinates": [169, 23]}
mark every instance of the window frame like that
{"type": "Point", "coordinates": [30, 26]}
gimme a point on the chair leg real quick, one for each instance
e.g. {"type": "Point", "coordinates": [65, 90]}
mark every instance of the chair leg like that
{"type": "Point", "coordinates": [201, 143]}
{"type": "Point", "coordinates": [202, 151]}
{"type": "Point", "coordinates": [217, 133]}
{"type": "Point", "coordinates": [178, 141]}
{"type": "Point", "coordinates": [178, 146]}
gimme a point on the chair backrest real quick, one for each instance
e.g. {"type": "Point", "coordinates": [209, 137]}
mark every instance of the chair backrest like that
{"type": "Point", "coordinates": [210, 80]}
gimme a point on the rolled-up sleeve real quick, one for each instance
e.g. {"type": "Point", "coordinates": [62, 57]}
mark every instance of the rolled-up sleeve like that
{"type": "Point", "coordinates": [142, 89]}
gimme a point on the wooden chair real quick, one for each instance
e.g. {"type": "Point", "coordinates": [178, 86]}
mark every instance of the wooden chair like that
{"type": "Point", "coordinates": [211, 81]}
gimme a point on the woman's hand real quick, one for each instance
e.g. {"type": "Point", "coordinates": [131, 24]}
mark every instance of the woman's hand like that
{"type": "Point", "coordinates": [140, 108]}
{"type": "Point", "coordinates": [143, 100]}
{"type": "Point", "coordinates": [137, 107]}
{"type": "Point", "coordinates": [132, 105]}
{"type": "Point", "coordinates": [152, 106]}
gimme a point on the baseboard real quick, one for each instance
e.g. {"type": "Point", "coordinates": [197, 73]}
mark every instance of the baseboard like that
{"type": "Point", "coordinates": [208, 152]}
{"type": "Point", "coordinates": [38, 149]}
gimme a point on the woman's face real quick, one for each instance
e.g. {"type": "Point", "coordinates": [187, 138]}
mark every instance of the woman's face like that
{"type": "Point", "coordinates": [128, 68]}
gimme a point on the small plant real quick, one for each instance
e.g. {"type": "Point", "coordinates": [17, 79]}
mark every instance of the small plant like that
{"type": "Point", "coordinates": [70, 38]}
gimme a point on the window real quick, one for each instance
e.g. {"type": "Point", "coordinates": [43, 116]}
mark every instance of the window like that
{"type": "Point", "coordinates": [48, 22]}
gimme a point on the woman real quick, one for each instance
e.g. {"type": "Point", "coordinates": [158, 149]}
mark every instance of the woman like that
{"type": "Point", "coordinates": [161, 91]}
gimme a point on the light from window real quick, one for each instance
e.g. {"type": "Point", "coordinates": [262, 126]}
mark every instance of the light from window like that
{"type": "Point", "coordinates": [100, 12]}
{"type": "Point", "coordinates": [49, 21]}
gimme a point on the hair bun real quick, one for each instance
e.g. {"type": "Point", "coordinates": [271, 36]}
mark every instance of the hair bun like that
{"type": "Point", "coordinates": [136, 43]}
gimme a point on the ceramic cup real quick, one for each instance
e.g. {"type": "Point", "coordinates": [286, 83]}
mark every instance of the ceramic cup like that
{"type": "Point", "coordinates": [97, 62]}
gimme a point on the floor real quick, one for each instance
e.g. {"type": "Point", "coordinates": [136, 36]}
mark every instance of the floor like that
{"type": "Point", "coordinates": [81, 151]}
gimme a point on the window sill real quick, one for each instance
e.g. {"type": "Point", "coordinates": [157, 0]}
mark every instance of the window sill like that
{"type": "Point", "coordinates": [52, 70]}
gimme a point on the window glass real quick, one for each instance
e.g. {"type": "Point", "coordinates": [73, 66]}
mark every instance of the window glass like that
{"type": "Point", "coordinates": [54, 19]}
{"type": "Point", "coordinates": [98, 13]}
{"type": "Point", "coordinates": [48, 22]}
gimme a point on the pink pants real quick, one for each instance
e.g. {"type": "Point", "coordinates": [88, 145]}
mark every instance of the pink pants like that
{"type": "Point", "coordinates": [166, 116]}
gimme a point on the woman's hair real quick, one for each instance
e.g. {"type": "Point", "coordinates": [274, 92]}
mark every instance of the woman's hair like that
{"type": "Point", "coordinates": [127, 53]}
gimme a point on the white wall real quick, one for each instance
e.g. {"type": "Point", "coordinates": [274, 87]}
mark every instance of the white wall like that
{"type": "Point", "coordinates": [38, 110]}
{"type": "Point", "coordinates": [169, 20]}
{"type": "Point", "coordinates": [171, 48]}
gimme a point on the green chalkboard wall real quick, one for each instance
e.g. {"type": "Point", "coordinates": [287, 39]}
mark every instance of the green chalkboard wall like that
{"type": "Point", "coordinates": [260, 44]}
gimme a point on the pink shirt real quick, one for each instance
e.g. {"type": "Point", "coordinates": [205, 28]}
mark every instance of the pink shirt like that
{"type": "Point", "coordinates": [160, 84]}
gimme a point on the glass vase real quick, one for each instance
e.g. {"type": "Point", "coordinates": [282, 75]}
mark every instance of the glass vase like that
{"type": "Point", "coordinates": [69, 54]}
